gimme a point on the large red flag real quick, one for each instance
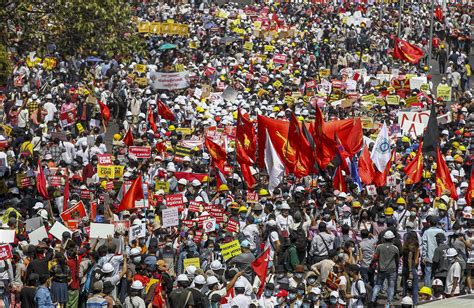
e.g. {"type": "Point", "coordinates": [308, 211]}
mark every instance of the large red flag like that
{"type": "Point", "coordinates": [105, 111]}
{"type": "Point", "coordinates": [41, 182]}
{"type": "Point", "coordinates": [304, 163]}
{"type": "Point", "coordinates": [414, 169]}
{"type": "Point", "coordinates": [217, 153]}
{"type": "Point", "coordinates": [260, 267]}
{"type": "Point", "coordinates": [278, 133]}
{"type": "Point", "coordinates": [380, 178]}
{"type": "Point", "coordinates": [407, 52]}
{"type": "Point", "coordinates": [366, 167]}
{"type": "Point", "coordinates": [151, 119]}
{"type": "Point", "coordinates": [66, 193]}
{"type": "Point", "coordinates": [470, 188]}
{"type": "Point", "coordinates": [128, 139]}
{"type": "Point", "coordinates": [246, 146]}
{"type": "Point", "coordinates": [164, 111]}
{"type": "Point", "coordinates": [443, 177]}
{"type": "Point", "coordinates": [339, 181]}
{"type": "Point", "coordinates": [326, 148]}
{"type": "Point", "coordinates": [134, 193]}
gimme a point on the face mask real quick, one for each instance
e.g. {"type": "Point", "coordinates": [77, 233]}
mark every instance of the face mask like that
{"type": "Point", "coordinates": [169, 244]}
{"type": "Point", "coordinates": [298, 275]}
{"type": "Point", "coordinates": [292, 295]}
{"type": "Point", "coordinates": [268, 293]}
{"type": "Point", "coordinates": [326, 218]}
{"type": "Point", "coordinates": [243, 216]}
{"type": "Point", "coordinates": [301, 292]}
{"type": "Point", "coordinates": [311, 281]}
{"type": "Point", "coordinates": [412, 213]}
{"type": "Point", "coordinates": [333, 300]}
{"type": "Point", "coordinates": [400, 208]}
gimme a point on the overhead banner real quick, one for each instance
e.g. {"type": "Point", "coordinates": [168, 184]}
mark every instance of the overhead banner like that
{"type": "Point", "coordinates": [170, 81]}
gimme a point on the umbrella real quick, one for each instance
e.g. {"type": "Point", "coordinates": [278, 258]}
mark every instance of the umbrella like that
{"type": "Point", "coordinates": [210, 25]}
{"type": "Point", "coordinates": [167, 46]}
{"type": "Point", "coordinates": [93, 59]}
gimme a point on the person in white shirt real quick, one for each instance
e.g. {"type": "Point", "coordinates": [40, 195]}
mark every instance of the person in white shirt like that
{"type": "Point", "coordinates": [453, 279]}
{"type": "Point", "coordinates": [284, 220]}
{"type": "Point", "coordinates": [240, 300]}
{"type": "Point", "coordinates": [358, 291]}
{"type": "Point", "coordinates": [50, 107]}
{"type": "Point", "coordinates": [268, 299]}
{"type": "Point", "coordinates": [70, 150]}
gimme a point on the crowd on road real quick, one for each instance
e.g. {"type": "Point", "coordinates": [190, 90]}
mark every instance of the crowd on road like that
{"type": "Point", "coordinates": [273, 155]}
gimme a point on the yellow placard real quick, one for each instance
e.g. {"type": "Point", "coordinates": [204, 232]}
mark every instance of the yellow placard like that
{"type": "Point", "coordinates": [32, 62]}
{"type": "Point", "coordinates": [192, 45]}
{"type": "Point", "coordinates": [230, 249]}
{"type": "Point", "coordinates": [7, 129]}
{"type": "Point", "coordinates": [324, 73]}
{"type": "Point", "coordinates": [444, 91]}
{"type": "Point", "coordinates": [140, 68]}
{"type": "Point", "coordinates": [79, 127]}
{"type": "Point", "coordinates": [393, 100]}
{"type": "Point", "coordinates": [184, 130]}
{"type": "Point", "coordinates": [248, 45]}
{"type": "Point", "coordinates": [425, 87]}
{"type": "Point", "coordinates": [268, 48]}
{"type": "Point", "coordinates": [257, 25]}
{"type": "Point", "coordinates": [49, 63]}
{"type": "Point", "coordinates": [368, 98]}
{"type": "Point", "coordinates": [367, 123]}
{"type": "Point", "coordinates": [261, 92]}
{"type": "Point", "coordinates": [118, 171]}
{"type": "Point", "coordinates": [277, 84]}
{"type": "Point", "coordinates": [107, 172]}
{"type": "Point", "coordinates": [155, 27]}
{"type": "Point", "coordinates": [142, 82]}
{"type": "Point", "coordinates": [163, 185]}
{"type": "Point", "coordinates": [143, 27]}
{"type": "Point", "coordinates": [411, 100]}
{"type": "Point", "coordinates": [192, 261]}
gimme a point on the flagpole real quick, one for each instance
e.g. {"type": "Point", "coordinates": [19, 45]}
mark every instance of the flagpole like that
{"type": "Point", "coordinates": [402, 4]}
{"type": "Point", "coordinates": [431, 35]}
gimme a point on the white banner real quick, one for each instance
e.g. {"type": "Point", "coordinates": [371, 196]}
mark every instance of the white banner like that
{"type": "Point", "coordinates": [413, 123]}
{"type": "Point", "coordinates": [170, 81]}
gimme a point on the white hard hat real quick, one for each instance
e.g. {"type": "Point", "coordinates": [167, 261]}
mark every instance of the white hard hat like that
{"type": "Point", "coordinates": [445, 132]}
{"type": "Point", "coordinates": [334, 294]}
{"type": "Point", "coordinates": [342, 195]}
{"type": "Point", "coordinates": [216, 265]}
{"type": "Point", "coordinates": [464, 185]}
{"type": "Point", "coordinates": [107, 268]}
{"type": "Point", "coordinates": [388, 235]}
{"type": "Point", "coordinates": [135, 251]}
{"type": "Point", "coordinates": [285, 206]}
{"type": "Point", "coordinates": [142, 115]}
{"type": "Point", "coordinates": [211, 280]}
{"type": "Point", "coordinates": [239, 284]}
{"type": "Point", "coordinates": [437, 282]}
{"type": "Point", "coordinates": [191, 269]}
{"type": "Point", "coordinates": [187, 159]}
{"type": "Point", "coordinates": [137, 221]}
{"type": "Point", "coordinates": [38, 205]}
{"type": "Point", "coordinates": [137, 285]}
{"type": "Point", "coordinates": [195, 182]}
{"type": "Point", "coordinates": [182, 278]}
{"type": "Point", "coordinates": [407, 300]}
{"type": "Point", "coordinates": [43, 213]}
{"type": "Point", "coordinates": [445, 199]}
{"type": "Point", "coordinates": [451, 252]}
{"type": "Point", "coordinates": [183, 181]}
{"type": "Point", "coordinates": [199, 279]}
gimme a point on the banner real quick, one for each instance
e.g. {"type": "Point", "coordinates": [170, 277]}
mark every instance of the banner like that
{"type": "Point", "coordinates": [169, 217]}
{"type": "Point", "coordinates": [230, 250]}
{"type": "Point", "coordinates": [68, 117]}
{"type": "Point", "coordinates": [75, 212]}
{"type": "Point", "coordinates": [140, 151]}
{"type": "Point", "coordinates": [444, 91]}
{"type": "Point", "coordinates": [5, 252]}
{"type": "Point", "coordinates": [170, 81]}
{"type": "Point", "coordinates": [163, 28]}
{"type": "Point", "coordinates": [104, 159]}
{"type": "Point", "coordinates": [106, 171]}
{"type": "Point", "coordinates": [175, 200]}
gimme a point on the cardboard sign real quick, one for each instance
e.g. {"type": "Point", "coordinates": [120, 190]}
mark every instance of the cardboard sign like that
{"type": "Point", "coordinates": [101, 230]}
{"type": "Point", "coordinates": [233, 226]}
{"type": "Point", "coordinates": [137, 231]}
{"type": "Point", "coordinates": [371, 190]}
{"type": "Point", "coordinates": [209, 225]}
{"type": "Point", "coordinates": [230, 250]}
{"type": "Point", "coordinates": [104, 159]}
{"type": "Point", "coordinates": [393, 100]}
{"type": "Point", "coordinates": [412, 122]}
{"type": "Point", "coordinates": [252, 197]}
{"type": "Point", "coordinates": [7, 236]}
{"type": "Point", "coordinates": [33, 223]}
{"type": "Point", "coordinates": [140, 151]}
{"type": "Point", "coordinates": [175, 200]}
{"type": "Point", "coordinates": [192, 261]}
{"type": "Point", "coordinates": [75, 212]}
{"type": "Point", "coordinates": [162, 185]}
{"type": "Point", "coordinates": [107, 172]}
{"type": "Point", "coordinates": [444, 91]}
{"type": "Point", "coordinates": [184, 131]}
{"type": "Point", "coordinates": [38, 235]}
{"type": "Point", "coordinates": [58, 229]}
{"type": "Point", "coordinates": [170, 217]}
{"type": "Point", "coordinates": [279, 59]}
{"type": "Point", "coordinates": [417, 82]}
{"type": "Point", "coordinates": [5, 252]}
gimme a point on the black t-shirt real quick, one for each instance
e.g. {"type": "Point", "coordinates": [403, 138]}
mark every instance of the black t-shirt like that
{"type": "Point", "coordinates": [27, 297]}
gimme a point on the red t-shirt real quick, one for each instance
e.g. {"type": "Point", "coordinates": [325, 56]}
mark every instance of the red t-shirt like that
{"type": "Point", "coordinates": [74, 267]}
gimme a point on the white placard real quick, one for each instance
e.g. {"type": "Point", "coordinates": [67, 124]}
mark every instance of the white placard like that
{"type": "Point", "coordinates": [209, 225]}
{"type": "Point", "coordinates": [101, 230]}
{"type": "Point", "coordinates": [170, 81]}
{"type": "Point", "coordinates": [371, 190]}
{"type": "Point", "coordinates": [7, 236]}
{"type": "Point", "coordinates": [58, 229]}
{"type": "Point", "coordinates": [170, 217]}
{"type": "Point", "coordinates": [38, 235]}
{"type": "Point", "coordinates": [33, 224]}
{"type": "Point", "coordinates": [137, 231]}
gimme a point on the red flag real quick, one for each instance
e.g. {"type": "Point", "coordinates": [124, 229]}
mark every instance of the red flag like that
{"type": "Point", "coordinates": [128, 139]}
{"type": "Point", "coordinates": [151, 119]}
{"type": "Point", "coordinates": [304, 162]}
{"type": "Point", "coordinates": [161, 146]}
{"type": "Point", "coordinates": [164, 111]}
{"type": "Point", "coordinates": [366, 167]}
{"type": "Point", "coordinates": [66, 193]}
{"type": "Point", "coordinates": [41, 182]}
{"type": "Point", "coordinates": [443, 177]}
{"type": "Point", "coordinates": [326, 148]}
{"type": "Point", "coordinates": [246, 146]}
{"type": "Point", "coordinates": [380, 178]}
{"type": "Point", "coordinates": [414, 169]}
{"type": "Point", "coordinates": [134, 193]}
{"type": "Point", "coordinates": [407, 52]}
{"type": "Point", "coordinates": [438, 13]}
{"type": "Point", "coordinates": [105, 111]}
{"type": "Point", "coordinates": [260, 267]}
{"type": "Point", "coordinates": [217, 153]}
{"type": "Point", "coordinates": [470, 188]}
{"type": "Point", "coordinates": [339, 181]}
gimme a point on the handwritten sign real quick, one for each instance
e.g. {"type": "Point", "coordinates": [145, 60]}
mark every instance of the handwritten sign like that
{"type": "Point", "coordinates": [5, 252]}
{"type": "Point", "coordinates": [230, 249]}
{"type": "Point", "coordinates": [170, 217]}
{"type": "Point", "coordinates": [107, 172]}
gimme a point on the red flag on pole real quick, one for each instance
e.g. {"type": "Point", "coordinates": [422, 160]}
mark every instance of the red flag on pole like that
{"type": "Point", "coordinates": [443, 177]}
{"type": "Point", "coordinates": [339, 181]}
{"type": "Point", "coordinates": [217, 153]}
{"type": "Point", "coordinates": [105, 111]}
{"type": "Point", "coordinates": [260, 267]}
{"type": "Point", "coordinates": [470, 189]}
{"type": "Point", "coordinates": [128, 139]}
{"type": "Point", "coordinates": [134, 193]}
{"type": "Point", "coordinates": [366, 167]}
{"type": "Point", "coordinates": [414, 169]}
{"type": "Point", "coordinates": [151, 119]}
{"type": "Point", "coordinates": [407, 52]}
{"type": "Point", "coordinates": [246, 145]}
{"type": "Point", "coordinates": [164, 111]}
{"type": "Point", "coordinates": [304, 162]}
{"type": "Point", "coordinates": [41, 182]}
{"type": "Point", "coordinates": [66, 193]}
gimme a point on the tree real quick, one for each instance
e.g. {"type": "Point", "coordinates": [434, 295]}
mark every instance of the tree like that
{"type": "Point", "coordinates": [86, 27]}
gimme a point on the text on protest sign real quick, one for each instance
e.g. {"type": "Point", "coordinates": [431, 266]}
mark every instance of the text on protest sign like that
{"type": "Point", "coordinates": [230, 249]}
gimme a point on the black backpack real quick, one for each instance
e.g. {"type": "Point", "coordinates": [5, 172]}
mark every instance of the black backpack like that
{"type": "Point", "coordinates": [301, 241]}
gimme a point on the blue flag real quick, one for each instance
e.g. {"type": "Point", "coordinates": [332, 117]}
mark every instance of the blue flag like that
{"type": "Point", "coordinates": [354, 168]}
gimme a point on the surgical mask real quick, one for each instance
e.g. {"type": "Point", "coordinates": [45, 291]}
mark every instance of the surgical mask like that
{"type": "Point", "coordinates": [333, 300]}
{"type": "Point", "coordinates": [301, 292]}
{"type": "Point", "coordinates": [292, 295]}
{"type": "Point", "coordinates": [311, 281]}
{"type": "Point", "coordinates": [243, 216]}
{"type": "Point", "coordinates": [268, 293]}
{"type": "Point", "coordinates": [412, 213]}
{"type": "Point", "coordinates": [400, 208]}
{"type": "Point", "coordinates": [326, 217]}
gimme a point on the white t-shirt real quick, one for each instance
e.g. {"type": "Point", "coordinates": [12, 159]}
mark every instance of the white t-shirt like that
{"type": "Point", "coordinates": [270, 243]}
{"type": "Point", "coordinates": [241, 301]}
{"type": "Point", "coordinates": [51, 108]}
{"type": "Point", "coordinates": [357, 291]}
{"type": "Point", "coordinates": [453, 272]}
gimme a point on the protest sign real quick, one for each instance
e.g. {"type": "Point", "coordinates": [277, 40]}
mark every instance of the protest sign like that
{"type": "Point", "coordinates": [229, 94]}
{"type": "Point", "coordinates": [393, 100]}
{"type": "Point", "coordinates": [324, 73]}
{"type": "Point", "coordinates": [67, 117]}
{"type": "Point", "coordinates": [412, 122]}
{"type": "Point", "coordinates": [192, 261]}
{"type": "Point", "coordinates": [55, 180]}
{"type": "Point", "coordinates": [182, 151]}
{"type": "Point", "coordinates": [58, 229]}
{"type": "Point", "coordinates": [118, 171]}
{"type": "Point", "coordinates": [252, 197]}
{"type": "Point", "coordinates": [170, 81]}
{"type": "Point", "coordinates": [33, 223]}
{"type": "Point", "coordinates": [163, 185]}
{"type": "Point", "coordinates": [140, 151]}
{"type": "Point", "coordinates": [175, 200]}
{"type": "Point", "coordinates": [371, 190]}
{"type": "Point", "coordinates": [444, 91]}
{"type": "Point", "coordinates": [5, 252]}
{"type": "Point", "coordinates": [233, 226]}
{"type": "Point", "coordinates": [7, 236]}
{"type": "Point", "coordinates": [209, 225]}
{"type": "Point", "coordinates": [137, 231]}
{"type": "Point", "coordinates": [170, 217]}
{"type": "Point", "coordinates": [417, 82]}
{"type": "Point", "coordinates": [76, 211]}
{"type": "Point", "coordinates": [38, 235]}
{"type": "Point", "coordinates": [104, 159]}
{"type": "Point", "coordinates": [279, 59]}
{"type": "Point", "coordinates": [194, 206]}
{"type": "Point", "coordinates": [230, 249]}
{"type": "Point", "coordinates": [106, 172]}
{"type": "Point", "coordinates": [101, 230]}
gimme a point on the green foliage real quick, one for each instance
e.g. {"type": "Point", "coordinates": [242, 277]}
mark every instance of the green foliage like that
{"type": "Point", "coordinates": [102, 27]}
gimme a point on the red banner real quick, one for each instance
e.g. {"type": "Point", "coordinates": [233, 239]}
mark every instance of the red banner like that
{"type": "Point", "coordinates": [75, 212]}
{"type": "Point", "coordinates": [5, 252]}
{"type": "Point", "coordinates": [139, 151]}
{"type": "Point", "coordinates": [175, 200]}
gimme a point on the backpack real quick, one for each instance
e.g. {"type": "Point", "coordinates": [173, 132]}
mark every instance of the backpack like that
{"type": "Point", "coordinates": [87, 285]}
{"type": "Point", "coordinates": [368, 291]}
{"type": "Point", "coordinates": [301, 242]}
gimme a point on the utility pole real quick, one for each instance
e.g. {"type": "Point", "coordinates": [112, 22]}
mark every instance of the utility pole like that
{"type": "Point", "coordinates": [431, 34]}
{"type": "Point", "coordinates": [400, 11]}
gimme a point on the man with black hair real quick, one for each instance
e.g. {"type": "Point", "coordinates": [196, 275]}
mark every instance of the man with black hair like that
{"type": "Point", "coordinates": [428, 246]}
{"type": "Point", "coordinates": [366, 252]}
{"type": "Point", "coordinates": [358, 290]}
{"type": "Point", "coordinates": [181, 297]}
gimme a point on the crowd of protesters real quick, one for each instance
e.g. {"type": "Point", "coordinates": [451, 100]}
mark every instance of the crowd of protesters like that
{"type": "Point", "coordinates": [325, 245]}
